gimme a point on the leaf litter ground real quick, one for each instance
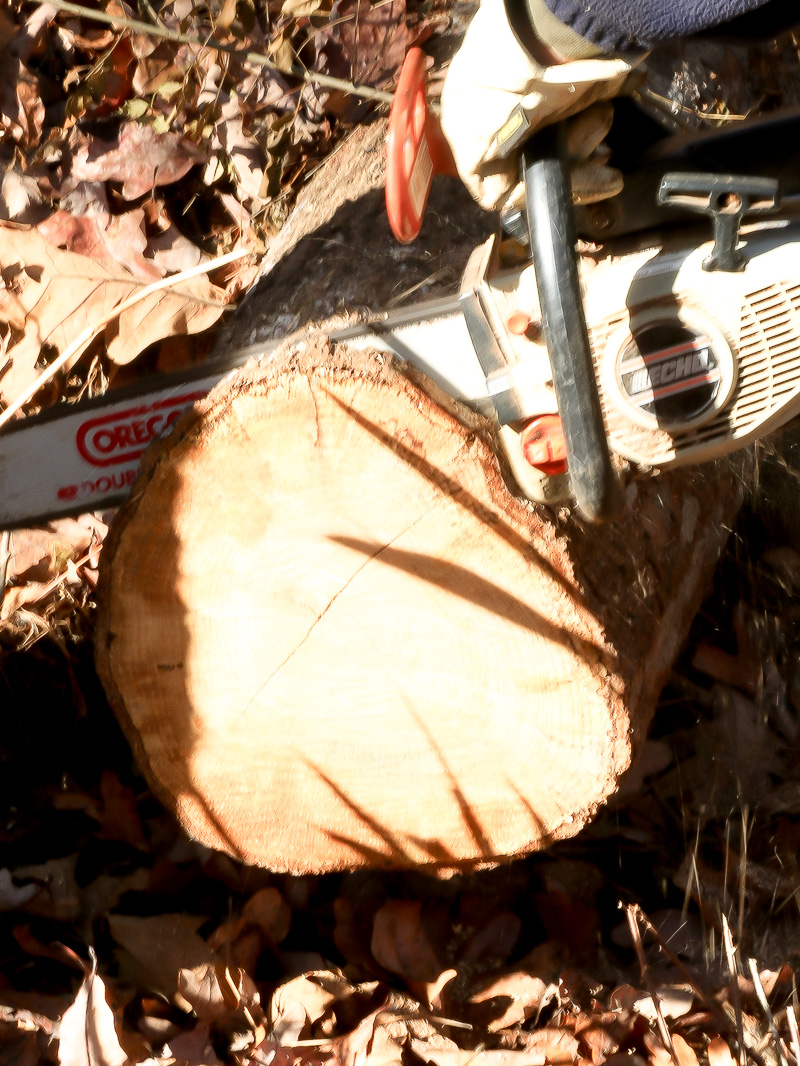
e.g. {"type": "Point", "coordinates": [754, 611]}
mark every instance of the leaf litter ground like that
{"type": "Point", "coordinates": [121, 941]}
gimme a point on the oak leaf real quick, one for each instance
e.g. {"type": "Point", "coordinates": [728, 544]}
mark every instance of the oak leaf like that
{"type": "Point", "coordinates": [50, 297]}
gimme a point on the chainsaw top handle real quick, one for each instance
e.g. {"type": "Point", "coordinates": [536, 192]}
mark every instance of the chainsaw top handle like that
{"type": "Point", "coordinates": [595, 485]}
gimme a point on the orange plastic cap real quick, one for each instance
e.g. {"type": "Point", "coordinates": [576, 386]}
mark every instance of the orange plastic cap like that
{"type": "Point", "coordinates": [543, 444]}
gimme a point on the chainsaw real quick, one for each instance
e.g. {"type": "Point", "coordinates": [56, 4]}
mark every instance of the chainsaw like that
{"type": "Point", "coordinates": [658, 328]}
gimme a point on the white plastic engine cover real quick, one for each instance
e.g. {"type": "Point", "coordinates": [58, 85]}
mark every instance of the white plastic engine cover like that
{"type": "Point", "coordinates": [692, 363]}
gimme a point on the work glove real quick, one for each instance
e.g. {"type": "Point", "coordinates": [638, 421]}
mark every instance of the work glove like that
{"type": "Point", "coordinates": [496, 94]}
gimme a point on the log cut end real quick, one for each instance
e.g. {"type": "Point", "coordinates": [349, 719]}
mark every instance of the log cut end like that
{"type": "Point", "coordinates": [336, 639]}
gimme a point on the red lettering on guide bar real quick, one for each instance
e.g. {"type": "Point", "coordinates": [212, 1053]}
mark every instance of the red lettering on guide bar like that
{"type": "Point", "coordinates": [101, 487]}
{"type": "Point", "coordinates": [124, 435]}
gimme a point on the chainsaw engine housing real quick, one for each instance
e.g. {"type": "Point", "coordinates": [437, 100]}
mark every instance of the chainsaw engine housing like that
{"type": "Point", "coordinates": [690, 363]}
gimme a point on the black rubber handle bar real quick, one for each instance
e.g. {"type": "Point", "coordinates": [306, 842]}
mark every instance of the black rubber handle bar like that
{"type": "Point", "coordinates": [595, 485]}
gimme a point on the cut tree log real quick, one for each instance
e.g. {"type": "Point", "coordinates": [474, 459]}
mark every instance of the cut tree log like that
{"type": "Point", "coordinates": [335, 638]}
{"type": "Point", "coordinates": [332, 634]}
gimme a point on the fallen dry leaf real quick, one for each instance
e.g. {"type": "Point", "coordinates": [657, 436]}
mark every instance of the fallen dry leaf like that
{"type": "Point", "coordinates": [719, 1053]}
{"type": "Point", "coordinates": [559, 1046]}
{"type": "Point", "coordinates": [457, 1057]}
{"type": "Point", "coordinates": [214, 991]}
{"type": "Point", "coordinates": [20, 198]}
{"type": "Point", "coordinates": [21, 107]}
{"type": "Point", "coordinates": [354, 1048]}
{"type": "Point", "coordinates": [13, 896]}
{"type": "Point", "coordinates": [269, 911]}
{"type": "Point", "coordinates": [88, 1033]}
{"type": "Point", "coordinates": [599, 1039]}
{"type": "Point", "coordinates": [674, 1000]}
{"type": "Point", "coordinates": [195, 1048]}
{"type": "Point", "coordinates": [50, 296]}
{"type": "Point", "coordinates": [494, 939]}
{"type": "Point", "coordinates": [171, 252]}
{"type": "Point", "coordinates": [366, 43]}
{"type": "Point", "coordinates": [684, 1053]}
{"type": "Point", "coordinates": [401, 944]}
{"type": "Point", "coordinates": [37, 554]}
{"type": "Point", "coordinates": [58, 896]}
{"type": "Point", "coordinates": [431, 991]}
{"type": "Point", "coordinates": [508, 1000]}
{"type": "Point", "coordinates": [107, 238]}
{"type": "Point", "coordinates": [661, 1056]}
{"type": "Point", "coordinates": [296, 1006]}
{"type": "Point", "coordinates": [158, 948]}
{"type": "Point", "coordinates": [138, 157]}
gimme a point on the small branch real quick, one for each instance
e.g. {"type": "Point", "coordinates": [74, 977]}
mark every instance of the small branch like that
{"type": "Point", "coordinates": [5, 558]}
{"type": "Point", "coordinates": [256, 58]}
{"type": "Point", "coordinates": [91, 331]}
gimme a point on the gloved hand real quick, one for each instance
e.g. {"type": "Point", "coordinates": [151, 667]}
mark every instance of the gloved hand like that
{"type": "Point", "coordinates": [496, 94]}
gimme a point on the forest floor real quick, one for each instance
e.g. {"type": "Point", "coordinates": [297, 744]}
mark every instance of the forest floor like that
{"type": "Point", "coordinates": [666, 932]}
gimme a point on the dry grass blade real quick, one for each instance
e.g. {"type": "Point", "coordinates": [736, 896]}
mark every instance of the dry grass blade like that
{"type": "Point", "coordinates": [791, 1018]}
{"type": "Point", "coordinates": [632, 912]}
{"type": "Point", "coordinates": [91, 331]}
{"type": "Point", "coordinates": [5, 555]}
{"type": "Point", "coordinates": [761, 996]}
{"type": "Point", "coordinates": [743, 872]}
{"type": "Point", "coordinates": [736, 1000]}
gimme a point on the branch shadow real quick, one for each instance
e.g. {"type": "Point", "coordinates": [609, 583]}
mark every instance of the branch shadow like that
{"type": "Point", "coordinates": [468, 586]}
{"type": "Point", "coordinates": [462, 496]}
{"type": "Point", "coordinates": [398, 854]}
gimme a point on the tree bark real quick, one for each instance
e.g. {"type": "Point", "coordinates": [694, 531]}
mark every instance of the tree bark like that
{"type": "Point", "coordinates": [335, 638]}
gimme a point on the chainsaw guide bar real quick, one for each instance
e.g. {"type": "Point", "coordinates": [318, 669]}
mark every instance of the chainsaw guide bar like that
{"type": "Point", "coordinates": [86, 456]}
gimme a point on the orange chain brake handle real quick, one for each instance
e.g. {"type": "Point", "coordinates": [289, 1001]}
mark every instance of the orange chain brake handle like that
{"type": "Point", "coordinates": [415, 150]}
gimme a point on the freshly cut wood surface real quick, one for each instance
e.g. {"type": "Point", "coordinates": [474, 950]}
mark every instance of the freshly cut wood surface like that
{"type": "Point", "coordinates": [336, 639]}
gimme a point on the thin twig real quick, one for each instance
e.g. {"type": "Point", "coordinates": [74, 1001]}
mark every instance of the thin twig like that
{"type": "Point", "coordinates": [743, 873]}
{"type": "Point", "coordinates": [761, 996]}
{"type": "Point", "coordinates": [91, 331]}
{"type": "Point", "coordinates": [256, 58]}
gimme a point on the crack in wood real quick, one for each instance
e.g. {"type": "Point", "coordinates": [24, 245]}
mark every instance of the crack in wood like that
{"type": "Point", "coordinates": [328, 606]}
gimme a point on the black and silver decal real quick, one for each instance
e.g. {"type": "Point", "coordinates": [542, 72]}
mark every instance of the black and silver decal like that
{"type": "Point", "coordinates": [672, 373]}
